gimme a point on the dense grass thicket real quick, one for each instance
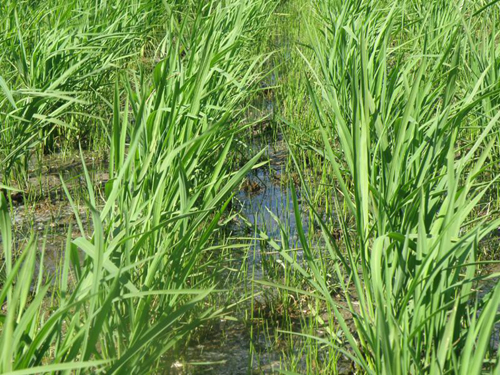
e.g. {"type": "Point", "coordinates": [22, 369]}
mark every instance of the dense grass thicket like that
{"type": "Point", "coordinates": [407, 100]}
{"type": "Point", "coordinates": [170, 123]}
{"type": "Point", "coordinates": [390, 115]}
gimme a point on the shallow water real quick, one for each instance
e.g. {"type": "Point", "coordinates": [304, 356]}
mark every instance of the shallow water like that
{"type": "Point", "coordinates": [43, 209]}
{"type": "Point", "coordinates": [269, 209]}
{"type": "Point", "coordinates": [266, 206]}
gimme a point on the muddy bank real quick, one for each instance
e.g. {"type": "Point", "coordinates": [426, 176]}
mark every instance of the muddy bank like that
{"type": "Point", "coordinates": [42, 209]}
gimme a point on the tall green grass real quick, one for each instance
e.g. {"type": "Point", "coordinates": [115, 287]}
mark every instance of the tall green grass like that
{"type": "Point", "coordinates": [130, 294]}
{"type": "Point", "coordinates": [57, 68]}
{"type": "Point", "coordinates": [405, 139]}
{"type": "Point", "coordinates": [408, 108]}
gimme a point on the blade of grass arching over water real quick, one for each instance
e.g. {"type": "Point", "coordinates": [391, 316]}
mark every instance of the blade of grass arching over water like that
{"type": "Point", "coordinates": [59, 367]}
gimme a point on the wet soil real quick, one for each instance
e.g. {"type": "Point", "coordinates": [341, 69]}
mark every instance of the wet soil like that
{"type": "Point", "coordinates": [42, 207]}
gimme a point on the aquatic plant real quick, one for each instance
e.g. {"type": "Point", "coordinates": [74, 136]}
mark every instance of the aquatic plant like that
{"type": "Point", "coordinates": [140, 289]}
{"type": "Point", "coordinates": [395, 106]}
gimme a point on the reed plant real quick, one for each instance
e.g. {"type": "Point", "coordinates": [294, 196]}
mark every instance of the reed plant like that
{"type": "Point", "coordinates": [409, 120]}
{"type": "Point", "coordinates": [57, 68]}
{"type": "Point", "coordinates": [132, 292]}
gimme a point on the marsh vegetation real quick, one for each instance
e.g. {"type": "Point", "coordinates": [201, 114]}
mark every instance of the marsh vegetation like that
{"type": "Point", "coordinates": [249, 186]}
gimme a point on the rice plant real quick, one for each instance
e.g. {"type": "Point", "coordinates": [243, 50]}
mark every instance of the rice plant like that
{"type": "Point", "coordinates": [408, 134]}
{"type": "Point", "coordinates": [385, 115]}
{"type": "Point", "coordinates": [140, 290]}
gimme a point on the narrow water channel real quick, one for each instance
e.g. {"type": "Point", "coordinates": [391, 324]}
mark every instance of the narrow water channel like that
{"type": "Point", "coordinates": [265, 204]}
